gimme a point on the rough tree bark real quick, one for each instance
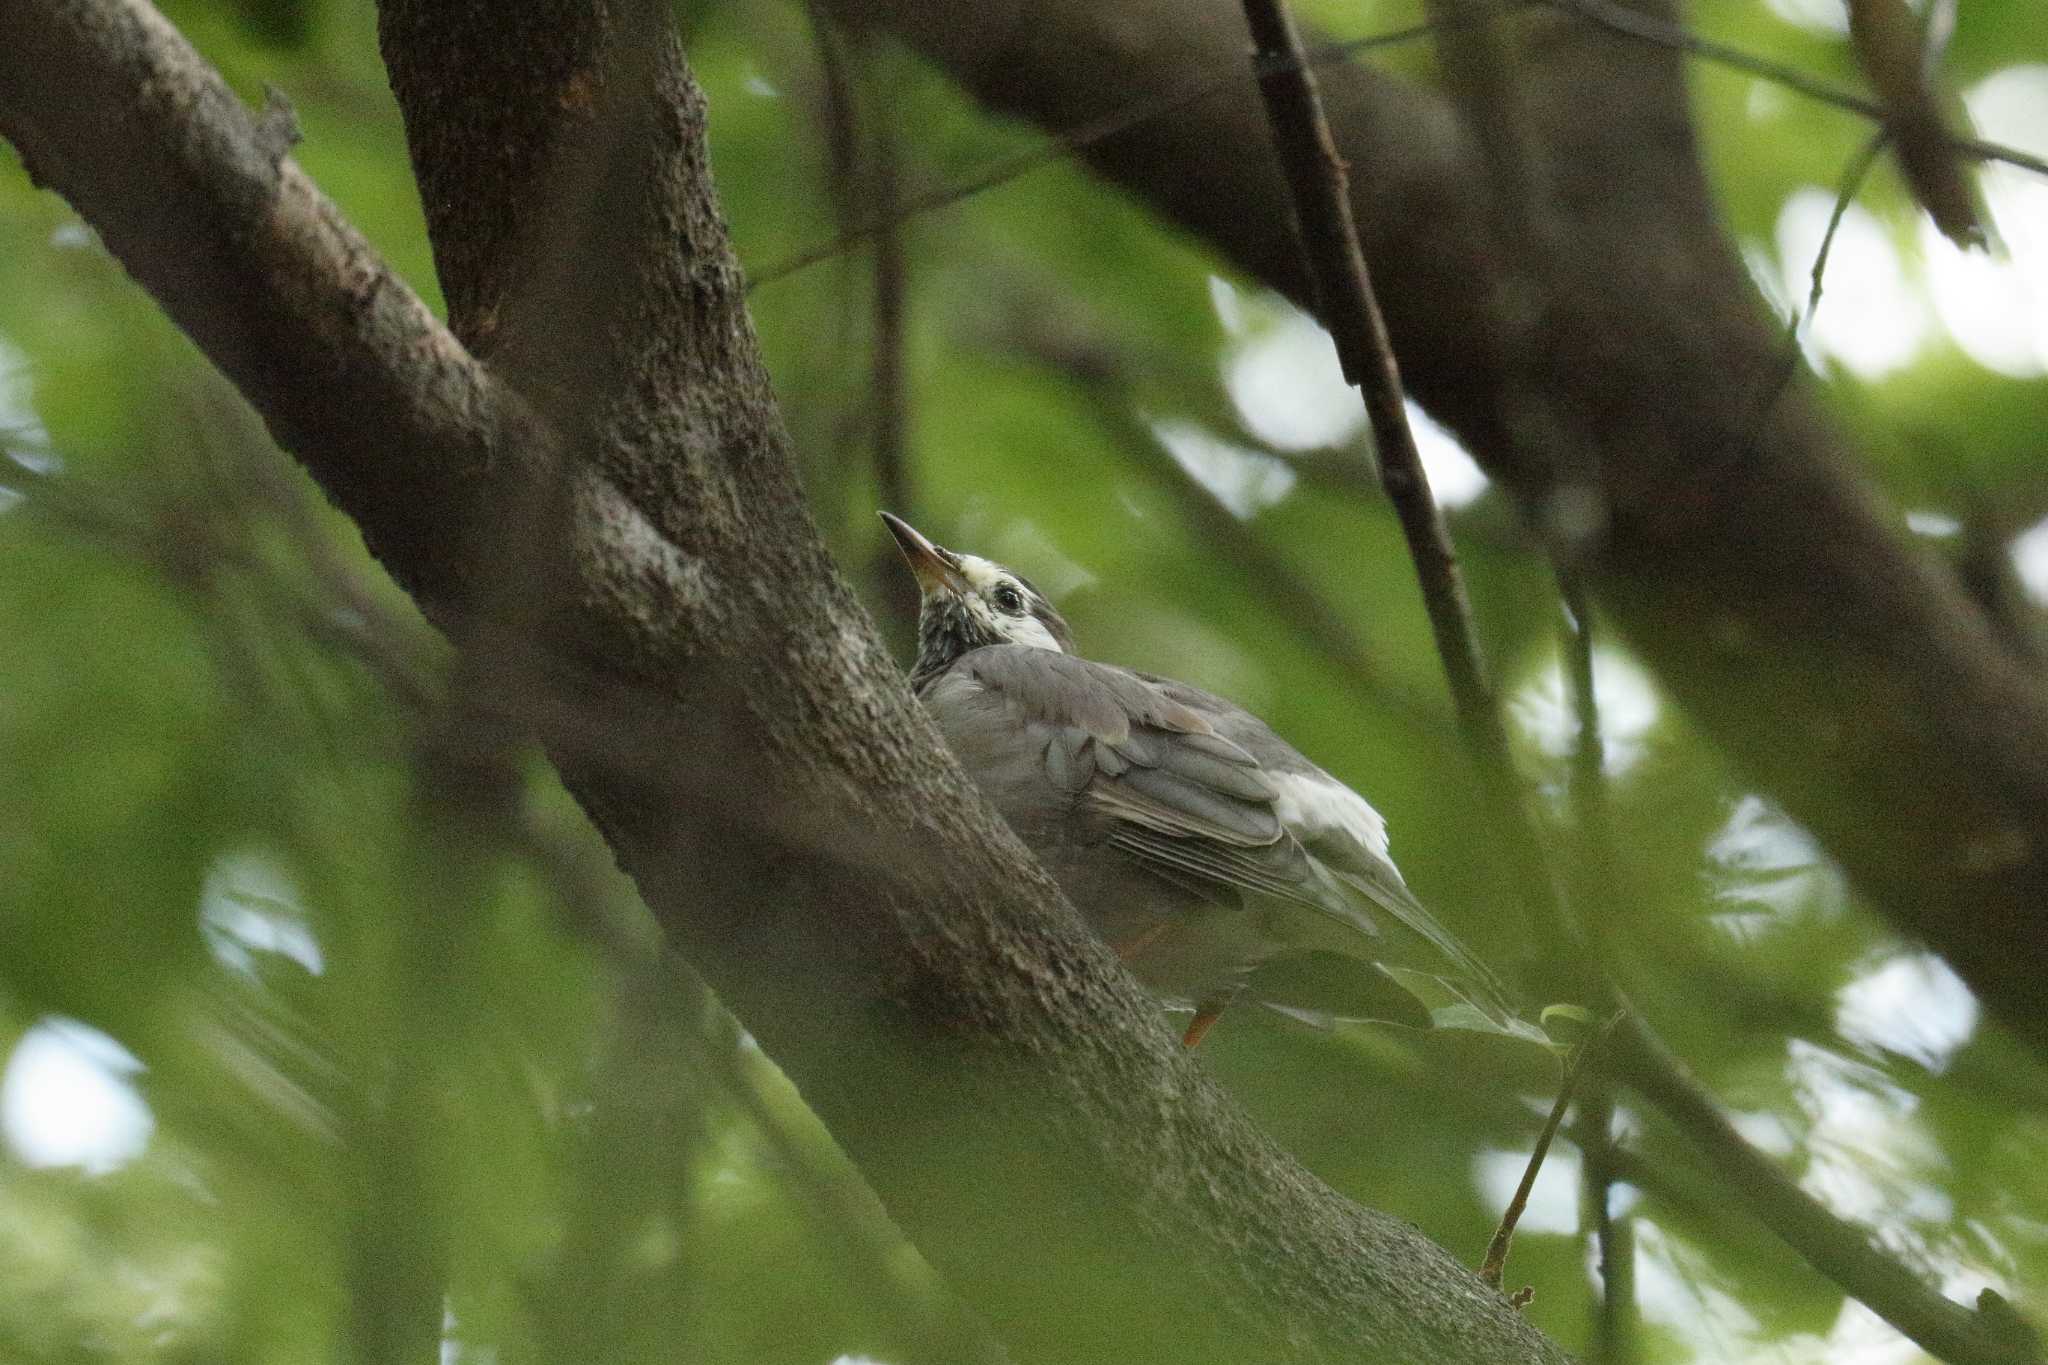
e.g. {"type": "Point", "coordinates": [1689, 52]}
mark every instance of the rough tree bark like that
{"type": "Point", "coordinates": [1730, 537]}
{"type": "Point", "coordinates": [703, 680]}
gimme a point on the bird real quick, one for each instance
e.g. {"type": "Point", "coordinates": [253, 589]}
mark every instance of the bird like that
{"type": "Point", "coordinates": [1194, 839]}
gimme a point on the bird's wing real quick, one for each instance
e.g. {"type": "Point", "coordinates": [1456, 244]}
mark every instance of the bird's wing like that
{"type": "Point", "coordinates": [1176, 794]}
{"type": "Point", "coordinates": [1335, 825]}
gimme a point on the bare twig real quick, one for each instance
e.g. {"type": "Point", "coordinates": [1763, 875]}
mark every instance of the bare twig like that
{"type": "Point", "coordinates": [889, 398]}
{"type": "Point", "coordinates": [1491, 1268]}
{"type": "Point", "coordinates": [1589, 752]}
{"type": "Point", "coordinates": [1613, 1235]}
{"type": "Point", "coordinates": [1347, 307]}
{"type": "Point", "coordinates": [865, 160]}
{"type": "Point", "coordinates": [1067, 144]}
{"type": "Point", "coordinates": [1345, 303]}
{"type": "Point", "coordinates": [1892, 46]}
{"type": "Point", "coordinates": [1651, 29]}
{"type": "Point", "coordinates": [1614, 1323]}
{"type": "Point", "coordinates": [1853, 176]}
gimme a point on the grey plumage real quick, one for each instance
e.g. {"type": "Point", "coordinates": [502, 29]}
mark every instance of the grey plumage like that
{"type": "Point", "coordinates": [1196, 840]}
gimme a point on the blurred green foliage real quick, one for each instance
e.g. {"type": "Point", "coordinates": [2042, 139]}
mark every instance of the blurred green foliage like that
{"type": "Point", "coordinates": [383, 1087]}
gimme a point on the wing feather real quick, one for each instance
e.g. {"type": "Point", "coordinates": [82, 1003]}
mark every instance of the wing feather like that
{"type": "Point", "coordinates": [1175, 794]}
{"type": "Point", "coordinates": [1207, 796]}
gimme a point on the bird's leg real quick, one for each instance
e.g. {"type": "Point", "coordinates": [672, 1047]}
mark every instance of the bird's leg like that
{"type": "Point", "coordinates": [1207, 1012]}
{"type": "Point", "coordinates": [1129, 949]}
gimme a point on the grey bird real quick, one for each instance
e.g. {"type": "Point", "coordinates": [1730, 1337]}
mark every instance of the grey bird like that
{"type": "Point", "coordinates": [1198, 843]}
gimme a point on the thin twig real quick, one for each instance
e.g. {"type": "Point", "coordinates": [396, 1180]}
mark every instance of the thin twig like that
{"type": "Point", "coordinates": [1347, 307]}
{"type": "Point", "coordinates": [1345, 303]}
{"type": "Point", "coordinates": [1613, 1337]}
{"type": "Point", "coordinates": [1496, 1261]}
{"type": "Point", "coordinates": [1589, 753]}
{"type": "Point", "coordinates": [1614, 1324]}
{"type": "Point", "coordinates": [887, 402]}
{"type": "Point", "coordinates": [1853, 176]}
{"type": "Point", "coordinates": [1650, 29]}
{"type": "Point", "coordinates": [1065, 145]}
{"type": "Point", "coordinates": [1852, 185]}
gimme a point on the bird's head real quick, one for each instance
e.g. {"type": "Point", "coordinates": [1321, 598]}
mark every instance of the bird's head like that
{"type": "Point", "coordinates": [970, 602]}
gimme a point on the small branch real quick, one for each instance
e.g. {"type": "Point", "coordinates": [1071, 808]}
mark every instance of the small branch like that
{"type": "Point", "coordinates": [1495, 1263]}
{"type": "Point", "coordinates": [1064, 145]}
{"type": "Point", "coordinates": [1614, 1324]}
{"type": "Point", "coordinates": [1346, 305]}
{"type": "Point", "coordinates": [1650, 29]}
{"type": "Point", "coordinates": [1589, 753]}
{"type": "Point", "coordinates": [888, 397]}
{"type": "Point", "coordinates": [1853, 176]}
{"type": "Point", "coordinates": [1840, 1250]}
{"type": "Point", "coordinates": [1892, 47]}
{"type": "Point", "coordinates": [1082, 350]}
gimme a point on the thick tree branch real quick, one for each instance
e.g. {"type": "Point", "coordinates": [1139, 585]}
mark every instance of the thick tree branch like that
{"type": "Point", "coordinates": [707, 686]}
{"type": "Point", "coordinates": [1842, 1251]}
{"type": "Point", "coordinates": [1845, 672]}
{"type": "Point", "coordinates": [262, 272]}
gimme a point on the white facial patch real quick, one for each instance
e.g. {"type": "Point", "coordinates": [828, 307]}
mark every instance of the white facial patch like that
{"type": "Point", "coordinates": [981, 574]}
{"type": "Point", "coordinates": [1316, 804]}
{"type": "Point", "coordinates": [1027, 630]}
{"type": "Point", "coordinates": [983, 577]}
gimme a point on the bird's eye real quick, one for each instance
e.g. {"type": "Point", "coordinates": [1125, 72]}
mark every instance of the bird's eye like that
{"type": "Point", "coordinates": [1009, 599]}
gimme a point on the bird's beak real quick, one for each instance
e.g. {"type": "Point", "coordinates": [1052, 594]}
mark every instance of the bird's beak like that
{"type": "Point", "coordinates": [935, 568]}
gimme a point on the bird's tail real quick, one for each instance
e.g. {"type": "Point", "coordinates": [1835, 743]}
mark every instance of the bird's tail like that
{"type": "Point", "coordinates": [1429, 962]}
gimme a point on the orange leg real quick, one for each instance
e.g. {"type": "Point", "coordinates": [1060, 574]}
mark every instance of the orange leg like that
{"type": "Point", "coordinates": [1198, 1027]}
{"type": "Point", "coordinates": [1135, 946]}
